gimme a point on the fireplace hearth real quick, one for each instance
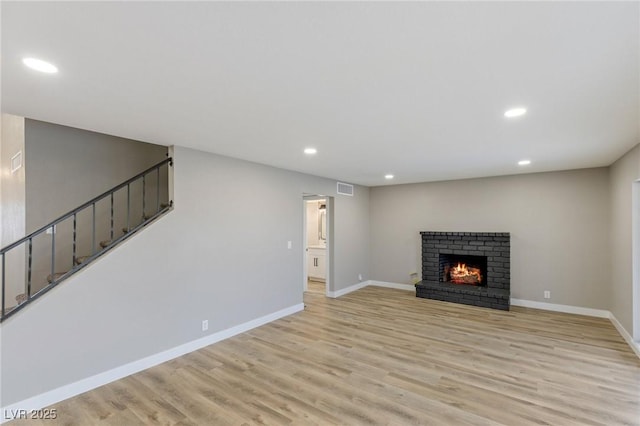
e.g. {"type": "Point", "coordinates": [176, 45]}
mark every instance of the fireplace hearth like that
{"type": "Point", "coordinates": [472, 268]}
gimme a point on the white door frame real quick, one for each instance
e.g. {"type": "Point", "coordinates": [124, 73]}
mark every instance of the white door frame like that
{"type": "Point", "coordinates": [329, 246]}
{"type": "Point", "coordinates": [635, 256]}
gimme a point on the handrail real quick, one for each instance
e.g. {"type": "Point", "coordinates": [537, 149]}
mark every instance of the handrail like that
{"type": "Point", "coordinates": [85, 205]}
{"type": "Point", "coordinates": [55, 278]}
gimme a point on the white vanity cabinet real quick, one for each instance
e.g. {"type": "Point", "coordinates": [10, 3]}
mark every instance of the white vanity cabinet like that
{"type": "Point", "coordinates": [316, 257]}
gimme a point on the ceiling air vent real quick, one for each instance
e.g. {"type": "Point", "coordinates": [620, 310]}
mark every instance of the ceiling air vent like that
{"type": "Point", "coordinates": [345, 189]}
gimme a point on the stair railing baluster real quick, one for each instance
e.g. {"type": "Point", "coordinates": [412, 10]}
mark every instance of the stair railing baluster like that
{"type": "Point", "coordinates": [144, 193]}
{"type": "Point", "coordinates": [3, 284]}
{"type": "Point", "coordinates": [158, 189]}
{"type": "Point", "coordinates": [128, 207]}
{"type": "Point", "coordinates": [93, 230]}
{"type": "Point", "coordinates": [53, 253]}
{"type": "Point", "coordinates": [111, 232]}
{"type": "Point", "coordinates": [29, 268]}
{"type": "Point", "coordinates": [74, 250]}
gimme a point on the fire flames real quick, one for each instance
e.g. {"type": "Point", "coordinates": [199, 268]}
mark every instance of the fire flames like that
{"type": "Point", "coordinates": [461, 274]}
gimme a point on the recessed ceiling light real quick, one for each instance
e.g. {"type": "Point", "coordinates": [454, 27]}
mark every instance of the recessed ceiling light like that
{"type": "Point", "coordinates": [515, 112]}
{"type": "Point", "coordinates": [310, 151]}
{"type": "Point", "coordinates": [388, 176]}
{"type": "Point", "coordinates": [524, 162]}
{"type": "Point", "coordinates": [40, 65]}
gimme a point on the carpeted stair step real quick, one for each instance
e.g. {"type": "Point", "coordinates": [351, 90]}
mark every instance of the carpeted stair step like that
{"type": "Point", "coordinates": [82, 259]}
{"type": "Point", "coordinates": [55, 277]}
{"type": "Point", "coordinates": [107, 243]}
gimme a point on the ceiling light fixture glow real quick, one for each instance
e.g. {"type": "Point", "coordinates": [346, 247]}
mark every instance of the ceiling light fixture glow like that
{"type": "Point", "coordinates": [515, 112]}
{"type": "Point", "coordinates": [389, 176]}
{"type": "Point", "coordinates": [310, 151]}
{"type": "Point", "coordinates": [40, 65]}
{"type": "Point", "coordinates": [524, 162]}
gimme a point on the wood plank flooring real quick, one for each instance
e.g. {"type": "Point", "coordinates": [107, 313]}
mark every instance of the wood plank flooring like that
{"type": "Point", "coordinates": [383, 356]}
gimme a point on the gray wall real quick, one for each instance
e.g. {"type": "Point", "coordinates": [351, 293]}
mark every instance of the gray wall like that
{"type": "Point", "coordinates": [215, 257]}
{"type": "Point", "coordinates": [67, 167]}
{"type": "Point", "coordinates": [622, 175]}
{"type": "Point", "coordinates": [558, 221]}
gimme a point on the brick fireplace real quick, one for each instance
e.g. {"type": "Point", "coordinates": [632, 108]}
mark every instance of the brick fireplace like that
{"type": "Point", "coordinates": [472, 268]}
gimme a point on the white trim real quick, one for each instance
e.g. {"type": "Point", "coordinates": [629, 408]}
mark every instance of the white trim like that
{"type": "Point", "coordinates": [635, 260]}
{"type": "Point", "coordinates": [305, 250]}
{"type": "Point", "coordinates": [635, 346]}
{"type": "Point", "coordinates": [67, 391]}
{"type": "Point", "coordinates": [408, 287]}
{"type": "Point", "coordinates": [568, 309]}
{"type": "Point", "coordinates": [363, 284]}
{"type": "Point", "coordinates": [347, 290]}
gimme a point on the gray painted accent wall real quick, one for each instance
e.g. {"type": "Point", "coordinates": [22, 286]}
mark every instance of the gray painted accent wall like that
{"type": "Point", "coordinates": [215, 257]}
{"type": "Point", "coordinates": [559, 225]}
{"type": "Point", "coordinates": [622, 175]}
{"type": "Point", "coordinates": [68, 167]}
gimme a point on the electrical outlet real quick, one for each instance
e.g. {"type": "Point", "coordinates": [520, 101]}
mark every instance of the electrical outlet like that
{"type": "Point", "coordinates": [360, 277]}
{"type": "Point", "coordinates": [205, 325]}
{"type": "Point", "coordinates": [289, 244]}
{"type": "Point", "coordinates": [547, 294]}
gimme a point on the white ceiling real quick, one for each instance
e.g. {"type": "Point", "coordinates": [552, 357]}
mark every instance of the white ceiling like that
{"type": "Point", "coordinates": [414, 89]}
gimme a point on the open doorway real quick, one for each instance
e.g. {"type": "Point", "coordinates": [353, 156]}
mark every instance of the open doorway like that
{"type": "Point", "coordinates": [635, 229]}
{"type": "Point", "coordinates": [317, 244]}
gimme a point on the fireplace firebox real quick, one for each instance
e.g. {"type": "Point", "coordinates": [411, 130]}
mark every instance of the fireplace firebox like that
{"type": "Point", "coordinates": [463, 269]}
{"type": "Point", "coordinates": [472, 268]}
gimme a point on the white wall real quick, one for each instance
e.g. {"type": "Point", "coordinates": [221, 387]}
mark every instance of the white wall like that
{"type": "Point", "coordinates": [622, 175]}
{"type": "Point", "coordinates": [312, 223]}
{"type": "Point", "coordinates": [13, 204]}
{"type": "Point", "coordinates": [559, 225]}
{"type": "Point", "coordinates": [215, 257]}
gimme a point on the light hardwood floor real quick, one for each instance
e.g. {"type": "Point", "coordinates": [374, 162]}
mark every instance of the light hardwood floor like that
{"type": "Point", "coordinates": [383, 356]}
{"type": "Point", "coordinates": [317, 287]}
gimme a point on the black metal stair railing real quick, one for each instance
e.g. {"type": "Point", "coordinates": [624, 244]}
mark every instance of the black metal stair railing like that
{"type": "Point", "coordinates": [98, 217]}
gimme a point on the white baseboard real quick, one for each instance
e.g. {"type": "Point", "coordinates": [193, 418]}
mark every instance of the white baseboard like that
{"type": "Point", "coordinates": [64, 392]}
{"type": "Point", "coordinates": [635, 346]}
{"type": "Point", "coordinates": [363, 284]}
{"type": "Point", "coordinates": [408, 287]}
{"type": "Point", "coordinates": [568, 309]}
{"type": "Point", "coordinates": [351, 288]}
